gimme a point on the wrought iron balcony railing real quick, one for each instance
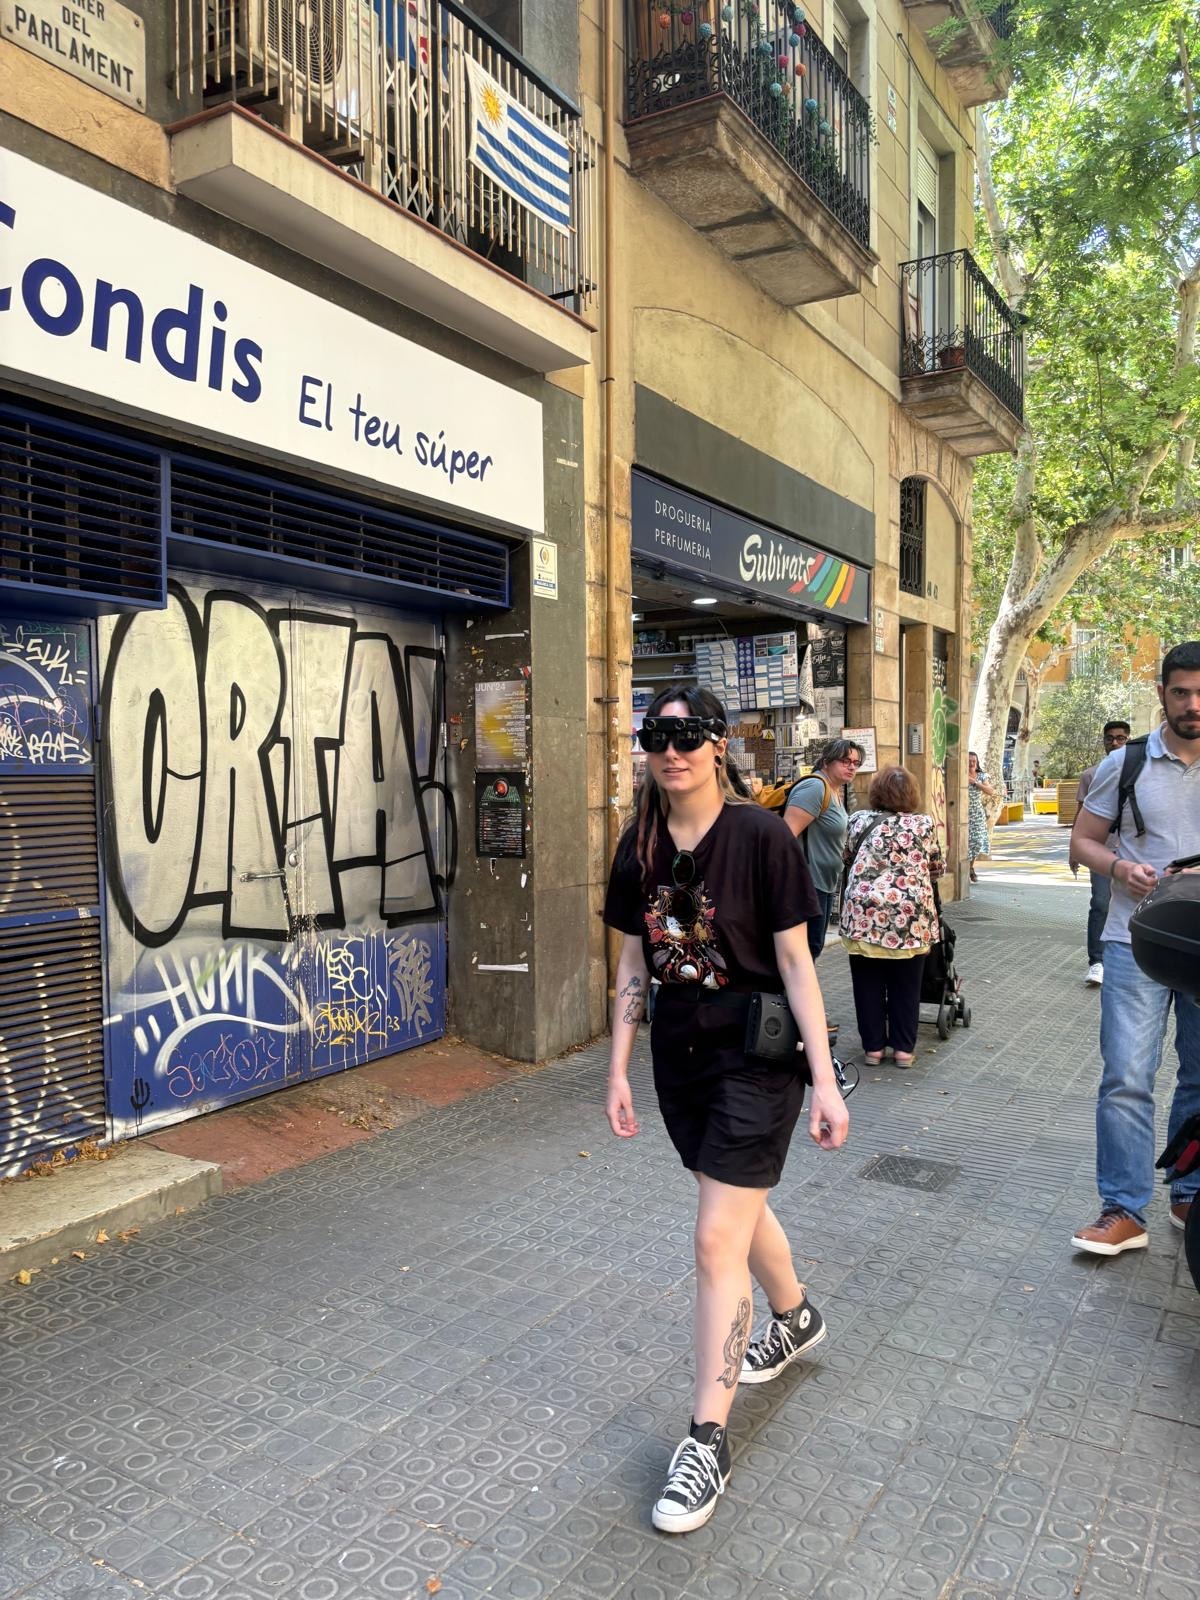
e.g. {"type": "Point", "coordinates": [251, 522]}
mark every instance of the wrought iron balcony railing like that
{"type": "Point", "coordinates": [765, 56]}
{"type": "Point", "coordinates": [424, 104]}
{"type": "Point", "coordinates": [954, 317]}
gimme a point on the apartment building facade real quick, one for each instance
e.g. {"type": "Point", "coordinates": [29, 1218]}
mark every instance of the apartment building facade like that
{"type": "Point", "coordinates": [359, 364]}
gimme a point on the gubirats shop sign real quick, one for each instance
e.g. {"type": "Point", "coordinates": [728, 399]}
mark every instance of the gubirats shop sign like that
{"type": "Point", "coordinates": [698, 539]}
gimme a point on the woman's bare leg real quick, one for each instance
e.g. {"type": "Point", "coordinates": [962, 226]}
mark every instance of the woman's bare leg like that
{"type": "Point", "coordinates": [771, 1263]}
{"type": "Point", "coordinates": [727, 1220]}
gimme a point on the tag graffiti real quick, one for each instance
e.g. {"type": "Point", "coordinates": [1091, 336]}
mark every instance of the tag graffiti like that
{"type": "Point", "coordinates": [44, 681]}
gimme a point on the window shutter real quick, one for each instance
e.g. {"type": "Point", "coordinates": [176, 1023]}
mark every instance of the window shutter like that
{"type": "Point", "coordinates": [927, 177]}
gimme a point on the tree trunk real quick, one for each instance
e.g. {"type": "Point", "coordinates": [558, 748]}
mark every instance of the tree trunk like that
{"type": "Point", "coordinates": [1029, 712]}
{"type": "Point", "coordinates": [1006, 647]}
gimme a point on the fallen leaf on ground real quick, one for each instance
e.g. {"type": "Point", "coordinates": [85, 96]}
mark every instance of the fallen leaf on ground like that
{"type": "Point", "coordinates": [80, 1255]}
{"type": "Point", "coordinates": [101, 1236]}
{"type": "Point", "coordinates": [432, 1585]}
{"type": "Point", "coordinates": [25, 1276]}
{"type": "Point", "coordinates": [128, 1233]}
{"type": "Point", "coordinates": [586, 1154]}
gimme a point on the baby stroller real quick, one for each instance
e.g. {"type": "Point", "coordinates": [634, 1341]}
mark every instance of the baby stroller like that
{"type": "Point", "coordinates": [940, 983]}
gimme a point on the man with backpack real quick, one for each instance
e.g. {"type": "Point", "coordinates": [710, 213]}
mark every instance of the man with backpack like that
{"type": "Point", "coordinates": [1147, 795]}
{"type": "Point", "coordinates": [815, 814]}
{"type": "Point", "coordinates": [1114, 736]}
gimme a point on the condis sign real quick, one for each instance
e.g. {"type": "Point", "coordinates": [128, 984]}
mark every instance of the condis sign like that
{"type": "Point", "coordinates": [99, 300]}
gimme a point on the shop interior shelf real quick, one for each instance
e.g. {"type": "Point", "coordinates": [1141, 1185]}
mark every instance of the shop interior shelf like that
{"type": "Point", "coordinates": [658, 677]}
{"type": "Point", "coordinates": [664, 655]}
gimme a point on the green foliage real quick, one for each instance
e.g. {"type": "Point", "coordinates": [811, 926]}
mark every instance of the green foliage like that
{"type": "Point", "coordinates": [1072, 717]}
{"type": "Point", "coordinates": [1097, 180]}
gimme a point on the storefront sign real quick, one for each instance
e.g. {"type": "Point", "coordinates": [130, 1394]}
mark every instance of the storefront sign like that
{"type": "Point", "coordinates": [545, 569]}
{"type": "Point", "coordinates": [500, 815]}
{"type": "Point", "coordinates": [98, 41]}
{"type": "Point", "coordinates": [101, 301]}
{"type": "Point", "coordinates": [700, 540]}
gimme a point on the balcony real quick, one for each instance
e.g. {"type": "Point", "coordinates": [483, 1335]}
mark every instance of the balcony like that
{"type": "Point", "coordinates": [406, 146]}
{"type": "Point", "coordinates": [962, 359]}
{"type": "Point", "coordinates": [740, 120]}
{"type": "Point", "coordinates": [964, 36]}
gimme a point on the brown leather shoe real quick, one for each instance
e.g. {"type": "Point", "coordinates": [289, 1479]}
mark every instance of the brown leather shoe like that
{"type": "Point", "coordinates": [1179, 1214]}
{"type": "Point", "coordinates": [1111, 1233]}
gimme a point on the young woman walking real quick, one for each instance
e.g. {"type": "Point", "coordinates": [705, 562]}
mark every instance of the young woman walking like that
{"type": "Point", "coordinates": [712, 897]}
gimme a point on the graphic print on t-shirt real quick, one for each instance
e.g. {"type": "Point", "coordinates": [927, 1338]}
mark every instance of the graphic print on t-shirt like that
{"type": "Point", "coordinates": [685, 951]}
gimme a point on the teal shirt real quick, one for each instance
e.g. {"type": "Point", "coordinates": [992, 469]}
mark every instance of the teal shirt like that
{"type": "Point", "coordinates": [825, 837]}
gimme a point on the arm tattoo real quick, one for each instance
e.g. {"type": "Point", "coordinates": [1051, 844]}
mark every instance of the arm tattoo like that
{"type": "Point", "coordinates": [634, 1000]}
{"type": "Point", "coordinates": [735, 1346]}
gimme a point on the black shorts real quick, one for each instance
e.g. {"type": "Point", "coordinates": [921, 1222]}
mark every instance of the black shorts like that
{"type": "Point", "coordinates": [729, 1118]}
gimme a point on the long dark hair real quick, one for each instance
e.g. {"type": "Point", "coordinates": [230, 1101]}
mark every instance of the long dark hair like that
{"type": "Point", "coordinates": [650, 807]}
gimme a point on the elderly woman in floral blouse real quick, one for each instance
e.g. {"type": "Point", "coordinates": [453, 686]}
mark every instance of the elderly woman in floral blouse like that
{"type": "Point", "coordinates": [889, 919]}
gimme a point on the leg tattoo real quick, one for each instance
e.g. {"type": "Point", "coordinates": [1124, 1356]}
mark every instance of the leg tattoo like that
{"type": "Point", "coordinates": [735, 1346]}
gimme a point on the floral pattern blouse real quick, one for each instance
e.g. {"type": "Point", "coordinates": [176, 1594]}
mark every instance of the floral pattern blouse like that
{"type": "Point", "coordinates": [888, 901]}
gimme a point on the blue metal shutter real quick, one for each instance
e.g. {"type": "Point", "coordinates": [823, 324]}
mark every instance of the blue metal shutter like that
{"type": "Point", "coordinates": [51, 973]}
{"type": "Point", "coordinates": [81, 515]}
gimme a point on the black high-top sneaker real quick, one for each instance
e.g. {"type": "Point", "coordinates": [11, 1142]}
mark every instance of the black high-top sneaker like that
{"type": "Point", "coordinates": [787, 1338]}
{"type": "Point", "coordinates": [696, 1480]}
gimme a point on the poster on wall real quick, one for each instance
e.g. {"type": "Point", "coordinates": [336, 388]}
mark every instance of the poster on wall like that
{"type": "Point", "coordinates": [831, 711]}
{"type": "Point", "coordinates": [501, 737]}
{"type": "Point", "coordinates": [827, 647]}
{"type": "Point", "coordinates": [500, 815]}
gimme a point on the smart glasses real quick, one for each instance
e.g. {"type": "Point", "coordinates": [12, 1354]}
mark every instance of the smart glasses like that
{"type": "Point", "coordinates": [685, 733]}
{"type": "Point", "coordinates": [685, 900]}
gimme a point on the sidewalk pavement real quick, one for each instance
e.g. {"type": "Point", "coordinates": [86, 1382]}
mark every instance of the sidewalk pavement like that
{"type": "Point", "coordinates": [454, 1358]}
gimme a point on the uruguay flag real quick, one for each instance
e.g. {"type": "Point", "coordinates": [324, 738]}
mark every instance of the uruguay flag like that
{"type": "Point", "coordinates": [527, 159]}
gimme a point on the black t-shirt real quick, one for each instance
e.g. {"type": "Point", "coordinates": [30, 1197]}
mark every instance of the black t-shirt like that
{"type": "Point", "coordinates": [751, 882]}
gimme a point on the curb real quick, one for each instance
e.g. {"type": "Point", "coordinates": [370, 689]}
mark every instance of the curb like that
{"type": "Point", "coordinates": [42, 1219]}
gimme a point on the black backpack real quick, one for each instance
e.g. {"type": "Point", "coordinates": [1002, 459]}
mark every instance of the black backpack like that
{"type": "Point", "coordinates": [1135, 760]}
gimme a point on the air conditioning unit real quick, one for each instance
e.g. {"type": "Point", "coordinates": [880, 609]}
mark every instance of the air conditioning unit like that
{"type": "Point", "coordinates": [320, 55]}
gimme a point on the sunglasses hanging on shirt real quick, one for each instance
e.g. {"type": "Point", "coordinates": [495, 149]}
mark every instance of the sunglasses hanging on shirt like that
{"type": "Point", "coordinates": [685, 733]}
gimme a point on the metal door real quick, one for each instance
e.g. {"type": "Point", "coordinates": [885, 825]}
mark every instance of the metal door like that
{"type": "Point", "coordinates": [276, 842]}
{"type": "Point", "coordinates": [51, 970]}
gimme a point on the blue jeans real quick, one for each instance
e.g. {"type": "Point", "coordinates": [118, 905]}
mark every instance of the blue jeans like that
{"type": "Point", "coordinates": [1134, 1012]}
{"type": "Point", "coordinates": [1097, 917]}
{"type": "Point", "coordinates": [819, 925]}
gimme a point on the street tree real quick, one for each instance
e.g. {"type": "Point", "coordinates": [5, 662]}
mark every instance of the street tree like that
{"type": "Point", "coordinates": [1089, 180]}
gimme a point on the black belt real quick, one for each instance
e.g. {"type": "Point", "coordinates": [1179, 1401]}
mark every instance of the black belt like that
{"type": "Point", "coordinates": [697, 994]}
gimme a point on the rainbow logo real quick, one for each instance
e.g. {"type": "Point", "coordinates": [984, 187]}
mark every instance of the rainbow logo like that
{"type": "Point", "coordinates": [829, 584]}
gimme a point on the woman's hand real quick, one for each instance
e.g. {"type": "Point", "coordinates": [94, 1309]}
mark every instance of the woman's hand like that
{"type": "Point", "coordinates": [828, 1118]}
{"type": "Point", "coordinates": [619, 1108]}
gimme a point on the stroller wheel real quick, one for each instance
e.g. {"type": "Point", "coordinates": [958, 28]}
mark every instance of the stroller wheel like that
{"type": "Point", "coordinates": [945, 1020]}
{"type": "Point", "coordinates": [965, 1014]}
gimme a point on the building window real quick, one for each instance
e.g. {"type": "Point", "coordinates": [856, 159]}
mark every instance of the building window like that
{"type": "Point", "coordinates": [912, 536]}
{"type": "Point", "coordinates": [1179, 557]}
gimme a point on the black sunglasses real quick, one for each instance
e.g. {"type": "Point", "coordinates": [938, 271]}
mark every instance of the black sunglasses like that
{"type": "Point", "coordinates": [685, 733]}
{"type": "Point", "coordinates": [685, 900]}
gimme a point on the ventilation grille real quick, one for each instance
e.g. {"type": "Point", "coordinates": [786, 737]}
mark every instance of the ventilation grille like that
{"type": "Point", "coordinates": [83, 515]}
{"type": "Point", "coordinates": [51, 1044]}
{"type": "Point", "coordinates": [80, 512]}
{"type": "Point", "coordinates": [271, 516]}
{"type": "Point", "coordinates": [48, 854]}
